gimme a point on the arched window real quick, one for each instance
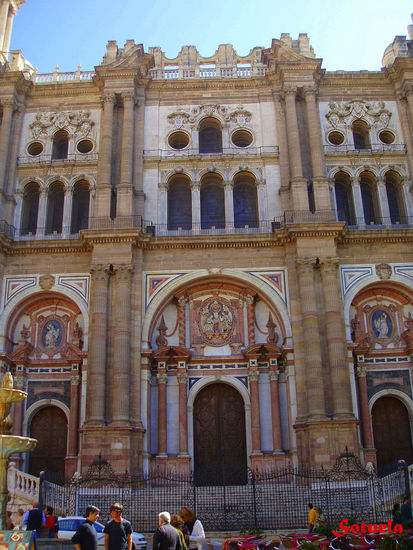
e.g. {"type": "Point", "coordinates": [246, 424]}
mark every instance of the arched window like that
{"type": "Point", "coordinates": [179, 204]}
{"type": "Point", "coordinates": [361, 136]}
{"type": "Point", "coordinates": [395, 197]}
{"type": "Point", "coordinates": [245, 201]}
{"type": "Point", "coordinates": [30, 209]}
{"type": "Point", "coordinates": [60, 145]}
{"type": "Point", "coordinates": [369, 198]}
{"type": "Point", "coordinates": [210, 136]}
{"type": "Point", "coordinates": [212, 203]}
{"type": "Point", "coordinates": [344, 201]}
{"type": "Point", "coordinates": [80, 207]}
{"type": "Point", "coordinates": [55, 201]}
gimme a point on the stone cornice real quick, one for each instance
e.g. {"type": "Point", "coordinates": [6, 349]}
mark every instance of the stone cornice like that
{"type": "Point", "coordinates": [46, 247]}
{"type": "Point", "coordinates": [376, 236]}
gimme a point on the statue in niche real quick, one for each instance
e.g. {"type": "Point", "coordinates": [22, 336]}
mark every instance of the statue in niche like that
{"type": "Point", "coordinates": [160, 340]}
{"type": "Point", "coordinates": [272, 337]}
{"type": "Point", "coordinates": [381, 324]}
{"type": "Point", "coordinates": [52, 334]}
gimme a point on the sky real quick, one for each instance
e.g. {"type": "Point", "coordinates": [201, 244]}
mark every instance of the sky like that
{"type": "Point", "coordinates": [346, 34]}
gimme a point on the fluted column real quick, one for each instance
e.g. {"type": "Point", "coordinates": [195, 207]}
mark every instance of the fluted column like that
{"type": "Point", "coordinates": [182, 410]}
{"type": "Point", "coordinates": [96, 376]}
{"type": "Point", "coordinates": [357, 201]}
{"type": "Point", "coordinates": [9, 26]}
{"type": "Point", "coordinates": [336, 345]}
{"type": "Point", "coordinates": [5, 131]}
{"type": "Point", "coordinates": [262, 203]}
{"type": "Point", "coordinates": [125, 197]}
{"type": "Point", "coordinates": [121, 344]}
{"type": "Point", "coordinates": [367, 433]}
{"type": "Point", "coordinates": [282, 140]}
{"type": "Point", "coordinates": [383, 202]}
{"type": "Point", "coordinates": [67, 210]}
{"type": "Point", "coordinates": [298, 182]}
{"type": "Point", "coordinates": [4, 11]}
{"type": "Point", "coordinates": [275, 411]}
{"type": "Point", "coordinates": [314, 378]}
{"type": "Point", "coordinates": [229, 204]}
{"type": "Point", "coordinates": [320, 182]}
{"type": "Point", "coordinates": [41, 214]}
{"type": "Point", "coordinates": [253, 377]}
{"type": "Point", "coordinates": [103, 190]}
{"type": "Point", "coordinates": [74, 415]}
{"type": "Point", "coordinates": [406, 123]}
{"type": "Point", "coordinates": [163, 204]}
{"type": "Point", "coordinates": [196, 204]}
{"type": "Point", "coordinates": [10, 181]}
{"type": "Point", "coordinates": [162, 379]}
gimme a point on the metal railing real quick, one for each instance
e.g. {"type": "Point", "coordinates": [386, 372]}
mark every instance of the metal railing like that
{"type": "Point", "coordinates": [264, 151]}
{"type": "Point", "coordinates": [48, 159]}
{"type": "Point", "coordinates": [244, 499]}
{"type": "Point", "coordinates": [219, 228]}
{"type": "Point", "coordinates": [391, 148]}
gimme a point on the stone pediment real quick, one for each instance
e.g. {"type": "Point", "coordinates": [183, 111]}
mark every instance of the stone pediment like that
{"type": "Point", "coordinates": [132, 56]}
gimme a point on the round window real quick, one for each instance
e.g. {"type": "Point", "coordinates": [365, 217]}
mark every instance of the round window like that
{"type": "Point", "coordinates": [387, 137]}
{"type": "Point", "coordinates": [241, 138]}
{"type": "Point", "coordinates": [336, 138]}
{"type": "Point", "coordinates": [35, 148]}
{"type": "Point", "coordinates": [178, 140]}
{"type": "Point", "coordinates": [85, 146]}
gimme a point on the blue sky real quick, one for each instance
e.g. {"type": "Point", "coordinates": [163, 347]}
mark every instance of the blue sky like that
{"type": "Point", "coordinates": [346, 34]}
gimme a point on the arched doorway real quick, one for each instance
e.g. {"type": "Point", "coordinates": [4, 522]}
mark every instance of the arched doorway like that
{"type": "Point", "coordinates": [220, 454]}
{"type": "Point", "coordinates": [49, 427]}
{"type": "Point", "coordinates": [391, 429]}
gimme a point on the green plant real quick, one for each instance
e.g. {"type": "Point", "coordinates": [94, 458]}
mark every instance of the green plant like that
{"type": "Point", "coordinates": [309, 546]}
{"type": "Point", "coordinates": [325, 530]}
{"type": "Point", "coordinates": [387, 543]}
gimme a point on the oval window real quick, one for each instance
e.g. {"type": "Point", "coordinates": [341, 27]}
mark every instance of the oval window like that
{"type": "Point", "coordinates": [387, 137]}
{"type": "Point", "coordinates": [178, 140]}
{"type": "Point", "coordinates": [241, 138]}
{"type": "Point", "coordinates": [336, 138]}
{"type": "Point", "coordinates": [85, 146]}
{"type": "Point", "coordinates": [35, 148]}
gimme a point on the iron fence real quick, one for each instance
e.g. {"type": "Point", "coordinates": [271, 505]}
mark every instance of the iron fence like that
{"type": "Point", "coordinates": [260, 500]}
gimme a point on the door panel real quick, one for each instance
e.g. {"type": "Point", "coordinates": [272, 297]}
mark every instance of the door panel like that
{"type": "Point", "coordinates": [49, 427]}
{"type": "Point", "coordinates": [219, 436]}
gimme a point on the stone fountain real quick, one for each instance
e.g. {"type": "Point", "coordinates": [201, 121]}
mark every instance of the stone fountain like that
{"type": "Point", "coordinates": [9, 444]}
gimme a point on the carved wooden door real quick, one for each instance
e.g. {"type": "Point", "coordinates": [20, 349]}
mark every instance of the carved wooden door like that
{"type": "Point", "coordinates": [219, 436]}
{"type": "Point", "coordinates": [49, 427]}
{"type": "Point", "coordinates": [392, 433]}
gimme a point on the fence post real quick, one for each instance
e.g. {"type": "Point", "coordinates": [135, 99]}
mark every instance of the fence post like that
{"type": "Point", "coordinates": [42, 478]}
{"type": "Point", "coordinates": [402, 465]}
{"type": "Point", "coordinates": [254, 496]}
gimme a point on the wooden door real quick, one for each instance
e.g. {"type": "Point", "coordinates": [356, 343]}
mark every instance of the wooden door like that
{"type": "Point", "coordinates": [219, 436]}
{"type": "Point", "coordinates": [49, 427]}
{"type": "Point", "coordinates": [391, 430]}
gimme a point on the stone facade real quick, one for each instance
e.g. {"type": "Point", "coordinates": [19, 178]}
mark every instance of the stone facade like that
{"type": "Point", "coordinates": [172, 226]}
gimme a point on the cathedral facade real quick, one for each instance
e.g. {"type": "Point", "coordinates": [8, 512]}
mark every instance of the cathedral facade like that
{"type": "Point", "coordinates": [207, 262]}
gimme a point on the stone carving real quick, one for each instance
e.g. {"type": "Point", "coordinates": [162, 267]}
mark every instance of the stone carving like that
{"type": "Point", "coordinates": [239, 117]}
{"type": "Point", "coordinates": [383, 271]}
{"type": "Point", "coordinates": [344, 113]}
{"type": "Point", "coordinates": [381, 324]}
{"type": "Point", "coordinates": [46, 282]}
{"type": "Point", "coordinates": [272, 337]}
{"type": "Point", "coordinates": [160, 340]}
{"type": "Point", "coordinates": [76, 123]}
{"type": "Point", "coordinates": [216, 321]}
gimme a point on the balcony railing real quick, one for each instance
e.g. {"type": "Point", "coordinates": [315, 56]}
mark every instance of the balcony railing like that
{"type": "Point", "coordinates": [206, 72]}
{"type": "Point", "coordinates": [47, 159]}
{"type": "Point", "coordinates": [120, 222]}
{"type": "Point", "coordinates": [379, 223]}
{"type": "Point", "coordinates": [378, 148]}
{"type": "Point", "coordinates": [191, 229]}
{"type": "Point", "coordinates": [50, 78]}
{"type": "Point", "coordinates": [264, 151]}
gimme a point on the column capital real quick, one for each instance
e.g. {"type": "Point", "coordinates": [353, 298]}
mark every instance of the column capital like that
{"type": "Point", "coordinates": [253, 376]}
{"type": "Point", "coordinates": [123, 271]}
{"type": "Point", "coordinates": [274, 375]}
{"type": "Point", "coordinates": [361, 371]}
{"type": "Point", "coordinates": [310, 91]}
{"type": "Point", "coordinates": [182, 378]}
{"type": "Point", "coordinates": [331, 262]}
{"type": "Point", "coordinates": [162, 378]}
{"type": "Point", "coordinates": [108, 98]}
{"type": "Point", "coordinates": [100, 272]}
{"type": "Point", "coordinates": [195, 185]}
{"type": "Point", "coordinates": [75, 380]}
{"type": "Point", "coordinates": [8, 102]}
{"type": "Point", "coordinates": [306, 264]}
{"type": "Point", "coordinates": [228, 184]}
{"type": "Point", "coordinates": [355, 180]}
{"type": "Point", "coordinates": [129, 96]}
{"type": "Point", "coordinates": [289, 91]}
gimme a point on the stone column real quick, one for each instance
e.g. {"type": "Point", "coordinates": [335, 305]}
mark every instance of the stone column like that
{"type": "Point", "coordinates": [249, 300]}
{"type": "Point", "coordinates": [9, 26]}
{"type": "Point", "coordinates": [41, 214]}
{"type": "Point", "coordinates": [67, 211]}
{"type": "Point", "coordinates": [262, 203]}
{"type": "Point", "coordinates": [183, 417]}
{"type": "Point", "coordinates": [229, 204]}
{"type": "Point", "coordinates": [320, 182]}
{"type": "Point", "coordinates": [275, 411]}
{"type": "Point", "coordinates": [406, 123]}
{"type": "Point", "coordinates": [20, 383]}
{"type": "Point", "coordinates": [162, 379]}
{"type": "Point", "coordinates": [407, 200]}
{"type": "Point", "coordinates": [121, 345]}
{"type": "Point", "coordinates": [182, 321]}
{"type": "Point", "coordinates": [357, 201]}
{"type": "Point", "coordinates": [314, 378]}
{"type": "Point", "coordinates": [298, 182]}
{"type": "Point", "coordinates": [253, 377]}
{"type": "Point", "coordinates": [163, 205]}
{"type": "Point", "coordinates": [4, 11]}
{"type": "Point", "coordinates": [125, 189]}
{"type": "Point", "coordinates": [383, 202]}
{"type": "Point", "coordinates": [5, 131]}
{"type": "Point", "coordinates": [104, 187]}
{"type": "Point", "coordinates": [366, 429]}
{"type": "Point", "coordinates": [10, 183]}
{"type": "Point", "coordinates": [74, 416]}
{"type": "Point", "coordinates": [196, 204]}
{"type": "Point", "coordinates": [336, 345]}
{"type": "Point", "coordinates": [96, 376]}
{"type": "Point", "coordinates": [282, 141]}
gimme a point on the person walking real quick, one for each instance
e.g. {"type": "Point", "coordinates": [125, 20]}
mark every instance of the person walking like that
{"type": "Point", "coordinates": [406, 511]}
{"type": "Point", "coordinates": [312, 514]}
{"type": "Point", "coordinates": [177, 522]}
{"type": "Point", "coordinates": [196, 534]}
{"type": "Point", "coordinates": [166, 537]}
{"type": "Point", "coordinates": [50, 522]}
{"type": "Point", "coordinates": [86, 537]}
{"type": "Point", "coordinates": [34, 519]}
{"type": "Point", "coordinates": [118, 531]}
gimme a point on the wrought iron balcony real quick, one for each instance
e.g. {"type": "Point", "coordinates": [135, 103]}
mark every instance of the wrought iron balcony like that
{"type": "Point", "coordinates": [78, 158]}
{"type": "Point", "coordinates": [227, 152]}
{"type": "Point", "coordinates": [377, 148]}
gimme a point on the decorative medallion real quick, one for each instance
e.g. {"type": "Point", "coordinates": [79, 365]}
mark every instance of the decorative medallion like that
{"type": "Point", "coordinates": [46, 282]}
{"type": "Point", "coordinates": [381, 324]}
{"type": "Point", "coordinates": [51, 334]}
{"type": "Point", "coordinates": [216, 321]}
{"type": "Point", "coordinates": [383, 271]}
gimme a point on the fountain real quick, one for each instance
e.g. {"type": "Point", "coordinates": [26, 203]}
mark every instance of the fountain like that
{"type": "Point", "coordinates": [9, 444]}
